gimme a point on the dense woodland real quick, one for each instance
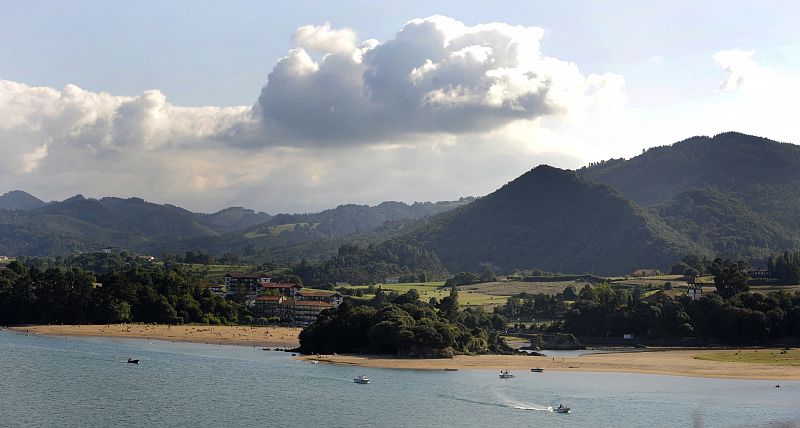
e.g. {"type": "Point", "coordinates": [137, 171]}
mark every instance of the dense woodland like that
{"type": "Point", "coordinates": [404, 326]}
{"type": "Point", "coordinates": [554, 220]}
{"type": "Point", "coordinates": [372, 264]}
{"type": "Point", "coordinates": [97, 289]}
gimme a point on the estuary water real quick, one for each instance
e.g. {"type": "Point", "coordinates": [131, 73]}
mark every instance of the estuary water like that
{"type": "Point", "coordinates": [59, 381]}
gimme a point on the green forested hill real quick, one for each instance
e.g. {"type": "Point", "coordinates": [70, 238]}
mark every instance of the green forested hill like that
{"type": "Point", "coordinates": [726, 225]}
{"type": "Point", "coordinates": [555, 220]}
{"type": "Point", "coordinates": [80, 224]}
{"type": "Point", "coordinates": [18, 200]}
{"type": "Point", "coordinates": [761, 173]}
{"type": "Point", "coordinates": [291, 237]}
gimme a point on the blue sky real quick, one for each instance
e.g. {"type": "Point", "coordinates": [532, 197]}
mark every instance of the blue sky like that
{"type": "Point", "coordinates": [657, 81]}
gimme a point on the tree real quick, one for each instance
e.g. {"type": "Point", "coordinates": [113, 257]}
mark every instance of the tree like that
{"type": "Point", "coordinates": [729, 277]}
{"type": "Point", "coordinates": [448, 306]}
{"type": "Point", "coordinates": [569, 293]}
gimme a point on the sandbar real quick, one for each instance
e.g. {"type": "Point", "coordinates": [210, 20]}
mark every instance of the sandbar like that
{"type": "Point", "coordinates": [663, 362]}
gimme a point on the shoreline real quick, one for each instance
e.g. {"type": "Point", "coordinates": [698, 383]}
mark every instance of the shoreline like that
{"type": "Point", "coordinates": [672, 362]}
{"type": "Point", "coordinates": [659, 362]}
{"type": "Point", "coordinates": [283, 337]}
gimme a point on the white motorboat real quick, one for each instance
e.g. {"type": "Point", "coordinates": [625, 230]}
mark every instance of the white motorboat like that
{"type": "Point", "coordinates": [506, 375]}
{"type": "Point", "coordinates": [561, 409]}
{"type": "Point", "coordinates": [361, 379]}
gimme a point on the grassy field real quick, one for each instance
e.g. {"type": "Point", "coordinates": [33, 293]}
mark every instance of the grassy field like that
{"type": "Point", "coordinates": [508, 288]}
{"type": "Point", "coordinates": [278, 229]}
{"type": "Point", "coordinates": [433, 289]}
{"type": "Point", "coordinates": [215, 272]}
{"type": "Point", "coordinates": [778, 357]}
{"type": "Point", "coordinates": [766, 289]}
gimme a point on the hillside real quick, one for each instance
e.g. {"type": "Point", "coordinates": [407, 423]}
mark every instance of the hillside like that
{"type": "Point", "coordinates": [726, 225]}
{"type": "Point", "coordinates": [291, 237]}
{"type": "Point", "coordinates": [80, 224]}
{"type": "Point", "coordinates": [760, 173]}
{"type": "Point", "coordinates": [17, 200]}
{"type": "Point", "coordinates": [235, 218]}
{"type": "Point", "coordinates": [555, 220]}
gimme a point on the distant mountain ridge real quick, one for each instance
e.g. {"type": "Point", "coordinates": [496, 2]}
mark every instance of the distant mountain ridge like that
{"type": "Point", "coordinates": [80, 224]}
{"type": "Point", "coordinates": [17, 200]}
{"type": "Point", "coordinates": [731, 195]}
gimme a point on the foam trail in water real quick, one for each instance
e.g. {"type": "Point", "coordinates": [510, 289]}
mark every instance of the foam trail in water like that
{"type": "Point", "coordinates": [514, 404]}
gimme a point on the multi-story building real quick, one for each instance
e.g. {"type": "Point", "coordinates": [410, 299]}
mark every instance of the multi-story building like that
{"type": "Point", "coordinates": [244, 286]}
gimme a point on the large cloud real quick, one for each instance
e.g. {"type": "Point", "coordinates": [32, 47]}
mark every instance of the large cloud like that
{"type": "Point", "coordinates": [437, 75]}
{"type": "Point", "coordinates": [437, 102]}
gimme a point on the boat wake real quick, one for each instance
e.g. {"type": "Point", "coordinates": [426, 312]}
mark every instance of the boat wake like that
{"type": "Point", "coordinates": [533, 407]}
{"type": "Point", "coordinates": [505, 402]}
{"type": "Point", "coordinates": [518, 405]}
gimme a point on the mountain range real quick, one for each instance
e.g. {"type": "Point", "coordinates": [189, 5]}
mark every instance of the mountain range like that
{"type": "Point", "coordinates": [731, 195]}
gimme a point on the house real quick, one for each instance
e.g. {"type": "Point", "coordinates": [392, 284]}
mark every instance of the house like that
{"type": "Point", "coordinates": [695, 288]}
{"type": "Point", "coordinates": [150, 259]}
{"type": "Point", "coordinates": [392, 280]}
{"type": "Point", "coordinates": [695, 291]}
{"type": "Point", "coordinates": [760, 273]}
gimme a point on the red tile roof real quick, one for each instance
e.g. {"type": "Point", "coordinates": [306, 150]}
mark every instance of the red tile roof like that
{"type": "Point", "coordinates": [238, 275]}
{"type": "Point", "coordinates": [269, 298]}
{"type": "Point", "coordinates": [318, 303]}
{"type": "Point", "coordinates": [319, 293]}
{"type": "Point", "coordinates": [280, 285]}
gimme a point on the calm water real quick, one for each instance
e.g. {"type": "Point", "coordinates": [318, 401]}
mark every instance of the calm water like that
{"type": "Point", "coordinates": [85, 382]}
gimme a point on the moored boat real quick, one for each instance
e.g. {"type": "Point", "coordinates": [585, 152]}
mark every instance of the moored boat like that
{"type": "Point", "coordinates": [537, 370]}
{"type": "Point", "coordinates": [363, 379]}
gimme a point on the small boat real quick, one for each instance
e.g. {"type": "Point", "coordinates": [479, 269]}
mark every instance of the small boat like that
{"type": "Point", "coordinates": [314, 361]}
{"type": "Point", "coordinates": [450, 370]}
{"type": "Point", "coordinates": [537, 370]}
{"type": "Point", "coordinates": [361, 379]}
{"type": "Point", "coordinates": [132, 361]}
{"type": "Point", "coordinates": [561, 409]}
{"type": "Point", "coordinates": [506, 375]}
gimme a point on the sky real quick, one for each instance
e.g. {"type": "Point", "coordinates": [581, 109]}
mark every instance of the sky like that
{"type": "Point", "coordinates": [304, 105]}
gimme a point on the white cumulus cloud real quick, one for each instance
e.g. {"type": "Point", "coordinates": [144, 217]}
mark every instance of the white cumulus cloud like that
{"type": "Point", "coordinates": [437, 101]}
{"type": "Point", "coordinates": [436, 76]}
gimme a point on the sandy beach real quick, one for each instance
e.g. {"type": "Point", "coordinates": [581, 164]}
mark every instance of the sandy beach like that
{"type": "Point", "coordinates": [678, 363]}
{"type": "Point", "coordinates": [285, 337]}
